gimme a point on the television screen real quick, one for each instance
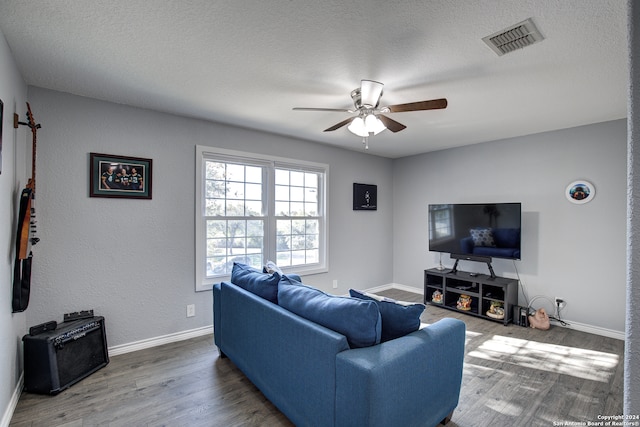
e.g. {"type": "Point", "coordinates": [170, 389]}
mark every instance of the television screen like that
{"type": "Point", "coordinates": [479, 229]}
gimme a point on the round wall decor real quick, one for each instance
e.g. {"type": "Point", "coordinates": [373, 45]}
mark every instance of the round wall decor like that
{"type": "Point", "coordinates": [580, 192]}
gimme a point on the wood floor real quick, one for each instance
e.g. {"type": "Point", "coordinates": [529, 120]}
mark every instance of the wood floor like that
{"type": "Point", "coordinates": [513, 376]}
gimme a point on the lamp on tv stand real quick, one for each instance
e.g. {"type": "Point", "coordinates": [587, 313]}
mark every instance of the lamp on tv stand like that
{"type": "Point", "coordinates": [440, 266]}
{"type": "Point", "coordinates": [477, 258]}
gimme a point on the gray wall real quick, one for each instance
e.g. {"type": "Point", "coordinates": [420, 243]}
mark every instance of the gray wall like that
{"type": "Point", "coordinates": [132, 261]}
{"type": "Point", "coordinates": [572, 251]}
{"type": "Point", "coordinates": [13, 92]}
{"type": "Point", "coordinates": [632, 347]}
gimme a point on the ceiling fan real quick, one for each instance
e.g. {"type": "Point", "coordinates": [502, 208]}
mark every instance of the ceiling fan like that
{"type": "Point", "coordinates": [370, 118]}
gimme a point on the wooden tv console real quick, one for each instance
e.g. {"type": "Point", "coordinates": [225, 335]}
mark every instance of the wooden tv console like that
{"type": "Point", "coordinates": [481, 288]}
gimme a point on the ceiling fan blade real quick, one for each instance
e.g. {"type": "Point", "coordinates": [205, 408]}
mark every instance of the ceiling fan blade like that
{"type": "Point", "coordinates": [339, 110]}
{"type": "Point", "coordinates": [391, 124]}
{"type": "Point", "coordinates": [370, 92]}
{"type": "Point", "coordinates": [339, 125]}
{"type": "Point", "coordinates": [434, 104]}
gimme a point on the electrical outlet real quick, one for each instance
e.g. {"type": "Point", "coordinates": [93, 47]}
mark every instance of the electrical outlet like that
{"type": "Point", "coordinates": [191, 310]}
{"type": "Point", "coordinates": [335, 283]}
{"type": "Point", "coordinates": [560, 302]}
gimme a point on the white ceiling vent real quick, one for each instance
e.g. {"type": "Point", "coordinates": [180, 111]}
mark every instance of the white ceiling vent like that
{"type": "Point", "coordinates": [515, 37]}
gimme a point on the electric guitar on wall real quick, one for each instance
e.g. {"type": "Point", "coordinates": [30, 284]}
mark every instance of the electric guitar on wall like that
{"type": "Point", "coordinates": [25, 238]}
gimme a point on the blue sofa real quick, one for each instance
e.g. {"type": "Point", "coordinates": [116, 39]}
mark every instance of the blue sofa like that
{"type": "Point", "coordinates": [503, 243]}
{"type": "Point", "coordinates": [313, 376]}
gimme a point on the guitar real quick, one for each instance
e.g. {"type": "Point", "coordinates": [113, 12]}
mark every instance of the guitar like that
{"type": "Point", "coordinates": [25, 238]}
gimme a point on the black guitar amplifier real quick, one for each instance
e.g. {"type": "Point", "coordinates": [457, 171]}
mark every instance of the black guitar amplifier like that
{"type": "Point", "coordinates": [56, 359]}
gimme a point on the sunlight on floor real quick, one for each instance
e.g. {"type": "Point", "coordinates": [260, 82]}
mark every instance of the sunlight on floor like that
{"type": "Point", "coordinates": [573, 361]}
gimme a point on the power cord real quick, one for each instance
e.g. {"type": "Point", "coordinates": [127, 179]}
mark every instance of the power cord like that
{"type": "Point", "coordinates": [523, 290]}
{"type": "Point", "coordinates": [557, 318]}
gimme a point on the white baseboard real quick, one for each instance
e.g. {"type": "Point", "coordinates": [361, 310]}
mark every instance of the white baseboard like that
{"type": "Point", "coordinates": [164, 339]}
{"type": "Point", "coordinates": [11, 407]}
{"type": "Point", "coordinates": [596, 330]}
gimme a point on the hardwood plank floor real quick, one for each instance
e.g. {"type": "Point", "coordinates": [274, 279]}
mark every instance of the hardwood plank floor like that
{"type": "Point", "coordinates": [513, 376]}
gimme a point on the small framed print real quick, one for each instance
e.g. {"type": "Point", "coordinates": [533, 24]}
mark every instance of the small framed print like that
{"type": "Point", "coordinates": [365, 197]}
{"type": "Point", "coordinates": [119, 176]}
{"type": "Point", "coordinates": [580, 192]}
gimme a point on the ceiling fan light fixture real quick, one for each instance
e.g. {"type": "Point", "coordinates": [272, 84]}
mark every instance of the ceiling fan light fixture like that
{"type": "Point", "coordinates": [373, 124]}
{"type": "Point", "coordinates": [358, 127]}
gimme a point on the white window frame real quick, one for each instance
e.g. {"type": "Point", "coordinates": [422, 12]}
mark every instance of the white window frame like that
{"type": "Point", "coordinates": [204, 153]}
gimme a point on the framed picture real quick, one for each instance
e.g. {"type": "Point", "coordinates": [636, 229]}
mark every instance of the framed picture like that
{"type": "Point", "coordinates": [580, 192]}
{"type": "Point", "coordinates": [365, 197]}
{"type": "Point", "coordinates": [119, 176]}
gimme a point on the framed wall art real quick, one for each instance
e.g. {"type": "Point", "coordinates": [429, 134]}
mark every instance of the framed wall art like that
{"type": "Point", "coordinates": [365, 197]}
{"type": "Point", "coordinates": [580, 192]}
{"type": "Point", "coordinates": [119, 176]}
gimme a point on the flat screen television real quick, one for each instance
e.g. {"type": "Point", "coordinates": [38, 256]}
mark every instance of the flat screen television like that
{"type": "Point", "coordinates": [476, 229]}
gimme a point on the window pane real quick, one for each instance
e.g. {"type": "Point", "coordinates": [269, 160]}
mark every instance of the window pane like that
{"type": "Point", "coordinates": [230, 241]}
{"type": "Point", "coordinates": [283, 259]}
{"type": "Point", "coordinates": [298, 257]}
{"type": "Point", "coordinates": [282, 192]}
{"type": "Point", "coordinates": [297, 194]}
{"type": "Point", "coordinates": [235, 172]}
{"type": "Point", "coordinates": [235, 190]}
{"type": "Point", "coordinates": [311, 209]}
{"type": "Point", "coordinates": [297, 209]}
{"type": "Point", "coordinates": [214, 207]}
{"type": "Point", "coordinates": [216, 229]}
{"type": "Point", "coordinates": [311, 180]}
{"type": "Point", "coordinates": [282, 177]}
{"type": "Point", "coordinates": [311, 195]}
{"type": "Point", "coordinates": [297, 178]}
{"type": "Point", "coordinates": [235, 208]}
{"type": "Point", "coordinates": [215, 188]}
{"type": "Point", "coordinates": [254, 174]}
{"type": "Point", "coordinates": [253, 191]}
{"type": "Point", "coordinates": [253, 208]}
{"type": "Point", "coordinates": [214, 170]}
{"type": "Point", "coordinates": [282, 208]}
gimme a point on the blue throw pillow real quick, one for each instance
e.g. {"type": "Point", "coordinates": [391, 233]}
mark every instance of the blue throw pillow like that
{"type": "Point", "coordinates": [255, 281]}
{"type": "Point", "coordinates": [358, 320]}
{"type": "Point", "coordinates": [398, 318]}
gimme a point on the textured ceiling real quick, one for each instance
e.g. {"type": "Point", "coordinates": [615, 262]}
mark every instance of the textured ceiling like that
{"type": "Point", "coordinates": [248, 63]}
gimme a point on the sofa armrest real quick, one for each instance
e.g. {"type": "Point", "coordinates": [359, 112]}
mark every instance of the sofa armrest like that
{"type": "Point", "coordinates": [216, 315]}
{"type": "Point", "coordinates": [412, 380]}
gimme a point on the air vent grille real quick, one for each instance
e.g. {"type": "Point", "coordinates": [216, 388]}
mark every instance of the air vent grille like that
{"type": "Point", "coordinates": [515, 37]}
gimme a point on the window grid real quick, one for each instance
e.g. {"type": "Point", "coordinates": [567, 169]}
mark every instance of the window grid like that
{"type": "Point", "coordinates": [258, 209]}
{"type": "Point", "coordinates": [235, 220]}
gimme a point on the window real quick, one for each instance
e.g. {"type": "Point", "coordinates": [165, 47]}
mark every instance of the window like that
{"type": "Point", "coordinates": [253, 208]}
{"type": "Point", "coordinates": [440, 222]}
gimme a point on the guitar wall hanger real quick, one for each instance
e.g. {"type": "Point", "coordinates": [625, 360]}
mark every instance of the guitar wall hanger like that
{"type": "Point", "coordinates": [17, 122]}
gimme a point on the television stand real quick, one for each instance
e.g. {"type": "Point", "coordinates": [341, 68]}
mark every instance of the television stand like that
{"type": "Point", "coordinates": [486, 259]}
{"type": "Point", "coordinates": [471, 293]}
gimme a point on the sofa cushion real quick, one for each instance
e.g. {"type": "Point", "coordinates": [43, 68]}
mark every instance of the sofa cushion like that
{"type": "Point", "coordinates": [358, 320]}
{"type": "Point", "coordinates": [507, 237]}
{"type": "Point", "coordinates": [482, 237]}
{"type": "Point", "coordinates": [398, 318]}
{"type": "Point", "coordinates": [255, 281]}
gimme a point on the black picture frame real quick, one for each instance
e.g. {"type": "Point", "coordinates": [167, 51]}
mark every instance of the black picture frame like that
{"type": "Point", "coordinates": [365, 197]}
{"type": "Point", "coordinates": [134, 183]}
